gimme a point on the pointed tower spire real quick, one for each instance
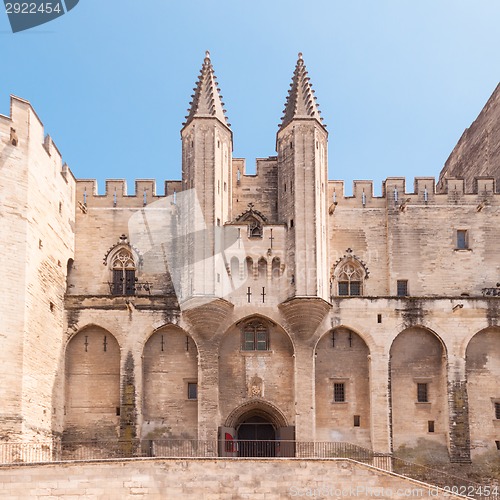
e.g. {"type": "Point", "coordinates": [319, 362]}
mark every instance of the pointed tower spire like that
{"type": "Point", "coordinates": [207, 101]}
{"type": "Point", "coordinates": [300, 102]}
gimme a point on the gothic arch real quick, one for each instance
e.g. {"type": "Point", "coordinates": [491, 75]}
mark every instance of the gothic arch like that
{"type": "Point", "coordinates": [123, 242]}
{"type": "Point", "coordinates": [249, 267]}
{"type": "Point", "coordinates": [257, 408]}
{"type": "Point", "coordinates": [482, 362]}
{"type": "Point", "coordinates": [272, 323]}
{"type": "Point", "coordinates": [123, 269]}
{"type": "Point", "coordinates": [365, 336]}
{"type": "Point", "coordinates": [419, 391]}
{"type": "Point", "coordinates": [427, 329]}
{"type": "Point", "coordinates": [170, 381]}
{"type": "Point", "coordinates": [91, 325]}
{"type": "Point", "coordinates": [240, 365]}
{"type": "Point", "coordinates": [173, 327]}
{"type": "Point", "coordinates": [262, 268]}
{"type": "Point", "coordinates": [102, 325]}
{"type": "Point", "coordinates": [276, 268]}
{"type": "Point", "coordinates": [471, 334]}
{"type": "Point", "coordinates": [92, 385]}
{"type": "Point", "coordinates": [348, 276]}
{"type": "Point", "coordinates": [342, 387]}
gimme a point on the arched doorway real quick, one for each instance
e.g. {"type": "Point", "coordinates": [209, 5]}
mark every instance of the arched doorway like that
{"type": "Point", "coordinates": [256, 437]}
{"type": "Point", "coordinates": [257, 429]}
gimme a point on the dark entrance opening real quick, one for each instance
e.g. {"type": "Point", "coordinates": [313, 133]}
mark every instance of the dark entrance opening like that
{"type": "Point", "coordinates": [256, 438]}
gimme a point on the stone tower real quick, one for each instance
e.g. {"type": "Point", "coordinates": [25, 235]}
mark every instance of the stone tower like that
{"type": "Point", "coordinates": [207, 144]}
{"type": "Point", "coordinates": [37, 198]}
{"type": "Point", "coordinates": [302, 184]}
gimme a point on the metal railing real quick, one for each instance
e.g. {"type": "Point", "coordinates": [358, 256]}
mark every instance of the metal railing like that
{"type": "Point", "coordinates": [29, 453]}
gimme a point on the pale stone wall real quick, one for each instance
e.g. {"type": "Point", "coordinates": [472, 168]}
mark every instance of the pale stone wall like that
{"type": "Point", "coordinates": [210, 479]}
{"type": "Point", "coordinates": [483, 372]}
{"type": "Point", "coordinates": [397, 236]}
{"type": "Point", "coordinates": [260, 189]}
{"type": "Point", "coordinates": [342, 357]}
{"type": "Point", "coordinates": [247, 375]}
{"type": "Point", "coordinates": [92, 386]}
{"type": "Point", "coordinates": [169, 365]}
{"type": "Point", "coordinates": [477, 153]}
{"type": "Point", "coordinates": [417, 357]}
{"type": "Point", "coordinates": [415, 239]}
{"type": "Point", "coordinates": [37, 231]}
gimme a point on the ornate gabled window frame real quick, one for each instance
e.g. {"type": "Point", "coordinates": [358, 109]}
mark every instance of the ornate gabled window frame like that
{"type": "Point", "coordinates": [348, 276]}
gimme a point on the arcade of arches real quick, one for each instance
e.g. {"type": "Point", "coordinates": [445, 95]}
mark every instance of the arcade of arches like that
{"type": "Point", "coordinates": [257, 387]}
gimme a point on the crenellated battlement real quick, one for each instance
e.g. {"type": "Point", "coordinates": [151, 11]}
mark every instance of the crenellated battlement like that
{"type": "Point", "coordinates": [23, 129]}
{"type": "Point", "coordinates": [116, 193]}
{"type": "Point", "coordinates": [424, 193]}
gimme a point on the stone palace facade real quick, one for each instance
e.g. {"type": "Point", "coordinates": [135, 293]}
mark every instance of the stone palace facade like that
{"type": "Point", "coordinates": [261, 307]}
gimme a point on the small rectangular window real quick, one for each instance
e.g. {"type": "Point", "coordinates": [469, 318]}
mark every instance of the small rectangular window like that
{"type": "Point", "coordinates": [379, 318]}
{"type": "Point", "coordinates": [422, 393]}
{"type": "Point", "coordinates": [339, 392]}
{"type": "Point", "coordinates": [357, 420]}
{"type": "Point", "coordinates": [402, 288]}
{"type": "Point", "coordinates": [462, 243]}
{"type": "Point", "coordinates": [192, 390]}
{"type": "Point", "coordinates": [430, 425]}
{"type": "Point", "coordinates": [498, 444]}
{"type": "Point", "coordinates": [497, 411]}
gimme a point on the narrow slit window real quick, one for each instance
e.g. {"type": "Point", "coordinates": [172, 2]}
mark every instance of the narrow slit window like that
{"type": "Point", "coordinates": [192, 390]}
{"type": "Point", "coordinates": [357, 421]}
{"type": "Point", "coordinates": [430, 425]}
{"type": "Point", "coordinates": [462, 239]}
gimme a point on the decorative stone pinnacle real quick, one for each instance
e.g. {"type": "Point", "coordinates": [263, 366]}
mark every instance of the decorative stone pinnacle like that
{"type": "Point", "coordinates": [301, 101]}
{"type": "Point", "coordinates": [206, 100]}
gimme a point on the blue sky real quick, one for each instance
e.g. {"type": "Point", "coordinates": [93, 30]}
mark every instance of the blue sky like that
{"type": "Point", "coordinates": [397, 81]}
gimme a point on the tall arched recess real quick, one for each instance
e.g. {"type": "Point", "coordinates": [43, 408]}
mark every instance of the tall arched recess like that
{"type": "Point", "coordinates": [170, 378]}
{"type": "Point", "coordinates": [92, 386]}
{"type": "Point", "coordinates": [483, 390]}
{"type": "Point", "coordinates": [256, 376]}
{"type": "Point", "coordinates": [342, 388]}
{"type": "Point", "coordinates": [419, 396]}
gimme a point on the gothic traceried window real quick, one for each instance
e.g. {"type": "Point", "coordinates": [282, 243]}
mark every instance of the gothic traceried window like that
{"type": "Point", "coordinates": [123, 269]}
{"type": "Point", "coordinates": [350, 279]}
